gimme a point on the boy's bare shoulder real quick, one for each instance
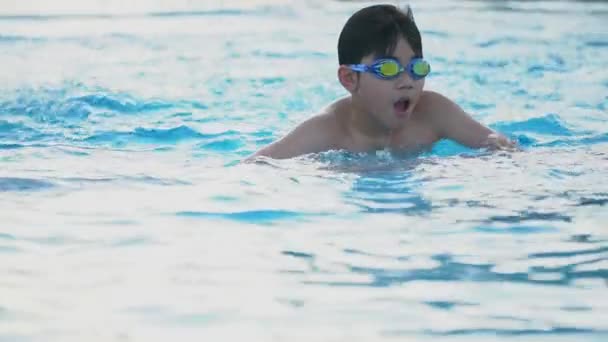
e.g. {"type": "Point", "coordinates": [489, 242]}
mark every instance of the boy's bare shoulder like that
{"type": "Point", "coordinates": [448, 120]}
{"type": "Point", "coordinates": [321, 132]}
{"type": "Point", "coordinates": [332, 119]}
{"type": "Point", "coordinates": [431, 103]}
{"type": "Point", "coordinates": [433, 108]}
{"type": "Point", "coordinates": [339, 112]}
{"type": "Point", "coordinates": [425, 113]}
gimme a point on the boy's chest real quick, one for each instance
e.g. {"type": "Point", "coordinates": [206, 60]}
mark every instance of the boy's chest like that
{"type": "Point", "coordinates": [412, 138]}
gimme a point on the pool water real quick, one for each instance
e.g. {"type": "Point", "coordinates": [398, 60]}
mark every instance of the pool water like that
{"type": "Point", "coordinates": [126, 215]}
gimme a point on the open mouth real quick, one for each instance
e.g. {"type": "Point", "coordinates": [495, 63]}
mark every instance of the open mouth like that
{"type": "Point", "coordinates": [402, 106]}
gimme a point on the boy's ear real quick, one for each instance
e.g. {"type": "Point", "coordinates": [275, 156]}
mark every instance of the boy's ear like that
{"type": "Point", "coordinates": [348, 78]}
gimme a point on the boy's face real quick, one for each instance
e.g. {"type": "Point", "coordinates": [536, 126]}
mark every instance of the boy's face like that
{"type": "Point", "coordinates": [390, 101]}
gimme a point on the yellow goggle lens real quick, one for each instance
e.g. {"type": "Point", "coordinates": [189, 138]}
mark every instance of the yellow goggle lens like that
{"type": "Point", "coordinates": [421, 68]}
{"type": "Point", "coordinates": [389, 69]}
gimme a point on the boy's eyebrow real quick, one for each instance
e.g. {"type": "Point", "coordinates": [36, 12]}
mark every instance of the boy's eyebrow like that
{"type": "Point", "coordinates": [397, 58]}
{"type": "Point", "coordinates": [386, 56]}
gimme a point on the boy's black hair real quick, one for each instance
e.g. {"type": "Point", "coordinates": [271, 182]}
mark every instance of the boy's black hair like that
{"type": "Point", "coordinates": [376, 30]}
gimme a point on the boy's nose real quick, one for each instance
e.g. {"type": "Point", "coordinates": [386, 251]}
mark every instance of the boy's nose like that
{"type": "Point", "coordinates": [404, 81]}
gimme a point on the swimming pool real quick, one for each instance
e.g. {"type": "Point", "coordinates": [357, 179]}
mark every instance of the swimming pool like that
{"type": "Point", "coordinates": [126, 215]}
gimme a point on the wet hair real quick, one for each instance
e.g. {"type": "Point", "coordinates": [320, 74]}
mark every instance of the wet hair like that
{"type": "Point", "coordinates": [376, 30]}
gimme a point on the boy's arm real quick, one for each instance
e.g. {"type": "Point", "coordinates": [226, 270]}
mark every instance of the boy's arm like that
{"type": "Point", "coordinates": [311, 136]}
{"type": "Point", "coordinates": [450, 121]}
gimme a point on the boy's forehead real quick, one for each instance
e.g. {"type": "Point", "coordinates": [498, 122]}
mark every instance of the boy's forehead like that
{"type": "Point", "coordinates": [402, 51]}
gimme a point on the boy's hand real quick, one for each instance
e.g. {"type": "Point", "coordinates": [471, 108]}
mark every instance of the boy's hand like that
{"type": "Point", "coordinates": [496, 141]}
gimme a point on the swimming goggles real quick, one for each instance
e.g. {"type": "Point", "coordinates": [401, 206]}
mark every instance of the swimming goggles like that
{"type": "Point", "coordinates": [390, 68]}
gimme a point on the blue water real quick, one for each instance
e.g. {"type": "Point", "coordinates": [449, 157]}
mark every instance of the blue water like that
{"type": "Point", "coordinates": [126, 215]}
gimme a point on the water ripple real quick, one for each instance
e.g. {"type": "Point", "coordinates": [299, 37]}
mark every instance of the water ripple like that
{"type": "Point", "coordinates": [530, 216]}
{"type": "Point", "coordinates": [23, 184]}
{"type": "Point", "coordinates": [121, 103]}
{"type": "Point", "coordinates": [261, 11]}
{"type": "Point", "coordinates": [252, 216]}
{"type": "Point", "coordinates": [515, 332]}
{"type": "Point", "coordinates": [17, 131]}
{"type": "Point", "coordinates": [550, 125]}
{"type": "Point", "coordinates": [139, 135]}
{"type": "Point", "coordinates": [452, 270]}
{"type": "Point", "coordinates": [570, 253]}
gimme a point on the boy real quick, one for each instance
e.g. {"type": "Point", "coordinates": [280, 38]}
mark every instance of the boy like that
{"type": "Point", "coordinates": [381, 66]}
